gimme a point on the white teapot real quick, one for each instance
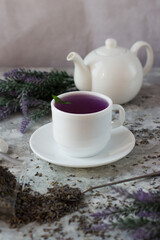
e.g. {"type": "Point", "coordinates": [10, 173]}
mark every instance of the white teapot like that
{"type": "Point", "coordinates": [112, 70]}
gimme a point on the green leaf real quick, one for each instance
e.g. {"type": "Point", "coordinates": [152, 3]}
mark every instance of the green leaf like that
{"type": "Point", "coordinates": [4, 101]}
{"type": "Point", "coordinates": [58, 100]}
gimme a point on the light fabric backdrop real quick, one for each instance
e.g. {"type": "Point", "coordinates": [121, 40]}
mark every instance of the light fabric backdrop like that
{"type": "Point", "coordinates": [42, 32]}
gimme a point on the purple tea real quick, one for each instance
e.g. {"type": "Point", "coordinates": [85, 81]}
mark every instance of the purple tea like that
{"type": "Point", "coordinates": [82, 103]}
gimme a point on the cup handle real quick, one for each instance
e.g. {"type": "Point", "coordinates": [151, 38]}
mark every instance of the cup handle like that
{"type": "Point", "coordinates": [121, 118]}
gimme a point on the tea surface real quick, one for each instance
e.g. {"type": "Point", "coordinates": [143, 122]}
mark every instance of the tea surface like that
{"type": "Point", "coordinates": [82, 104]}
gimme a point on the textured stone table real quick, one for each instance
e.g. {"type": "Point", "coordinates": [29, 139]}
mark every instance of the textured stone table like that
{"type": "Point", "coordinates": [142, 118]}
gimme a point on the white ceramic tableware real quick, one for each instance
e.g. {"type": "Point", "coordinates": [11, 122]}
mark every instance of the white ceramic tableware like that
{"type": "Point", "coordinates": [121, 143]}
{"type": "Point", "coordinates": [84, 135]}
{"type": "Point", "coordinates": [112, 70]}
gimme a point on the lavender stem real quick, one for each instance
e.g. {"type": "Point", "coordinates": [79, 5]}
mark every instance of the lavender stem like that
{"type": "Point", "coordinates": [154, 174]}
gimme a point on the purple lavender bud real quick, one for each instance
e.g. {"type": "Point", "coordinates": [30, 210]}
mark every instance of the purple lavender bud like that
{"type": "Point", "coordinates": [24, 124]}
{"type": "Point", "coordinates": [140, 233]}
{"type": "Point", "coordinates": [146, 232]}
{"type": "Point", "coordinates": [101, 227]}
{"type": "Point", "coordinates": [140, 195]}
{"type": "Point", "coordinates": [16, 74]}
{"type": "Point", "coordinates": [145, 197]}
{"type": "Point", "coordinates": [122, 192]}
{"type": "Point", "coordinates": [35, 102]}
{"type": "Point", "coordinates": [11, 73]}
{"type": "Point", "coordinates": [4, 112]}
{"type": "Point", "coordinates": [24, 103]}
{"type": "Point", "coordinates": [34, 80]}
{"type": "Point", "coordinates": [102, 214]}
{"type": "Point", "coordinates": [147, 214]}
{"type": "Point", "coordinates": [7, 110]}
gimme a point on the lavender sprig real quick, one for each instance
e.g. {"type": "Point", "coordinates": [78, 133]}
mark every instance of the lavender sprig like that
{"type": "Point", "coordinates": [104, 214]}
{"type": "Point", "coordinates": [140, 195]}
{"type": "Point", "coordinates": [5, 112]}
{"type": "Point", "coordinates": [22, 75]}
{"type": "Point", "coordinates": [32, 102]}
{"type": "Point", "coordinates": [147, 232]}
{"type": "Point", "coordinates": [42, 111]}
{"type": "Point", "coordinates": [146, 197]}
{"type": "Point", "coordinates": [139, 216]}
{"type": "Point", "coordinates": [7, 108]}
{"type": "Point", "coordinates": [148, 214]}
{"type": "Point", "coordinates": [24, 124]}
{"type": "Point", "coordinates": [12, 74]}
{"type": "Point", "coordinates": [32, 92]}
{"type": "Point", "coordinates": [24, 103]}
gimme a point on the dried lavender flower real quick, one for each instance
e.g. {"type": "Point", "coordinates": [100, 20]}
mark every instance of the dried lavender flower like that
{"type": "Point", "coordinates": [41, 111]}
{"type": "Point", "coordinates": [139, 216]}
{"type": "Point", "coordinates": [104, 214]}
{"type": "Point", "coordinates": [32, 91]}
{"type": "Point", "coordinates": [5, 111]}
{"type": "Point", "coordinates": [147, 232]}
{"type": "Point", "coordinates": [146, 197]}
{"type": "Point", "coordinates": [32, 102]}
{"type": "Point", "coordinates": [140, 195]}
{"type": "Point", "coordinates": [24, 124]}
{"type": "Point", "coordinates": [24, 103]}
{"type": "Point", "coordinates": [148, 214]}
{"type": "Point", "coordinates": [11, 74]}
{"type": "Point", "coordinates": [35, 80]}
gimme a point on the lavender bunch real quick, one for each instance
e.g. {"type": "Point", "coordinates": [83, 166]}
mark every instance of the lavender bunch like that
{"type": "Point", "coordinates": [7, 106]}
{"type": "Point", "coordinates": [30, 92]}
{"type": "Point", "coordinates": [140, 217]}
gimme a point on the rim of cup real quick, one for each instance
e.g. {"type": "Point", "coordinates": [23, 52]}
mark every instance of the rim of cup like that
{"type": "Point", "coordinates": [101, 95]}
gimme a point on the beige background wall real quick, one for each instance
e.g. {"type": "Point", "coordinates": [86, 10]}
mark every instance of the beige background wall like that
{"type": "Point", "coordinates": [43, 32]}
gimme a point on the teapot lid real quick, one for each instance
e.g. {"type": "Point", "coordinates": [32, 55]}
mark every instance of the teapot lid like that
{"type": "Point", "coordinates": [110, 48]}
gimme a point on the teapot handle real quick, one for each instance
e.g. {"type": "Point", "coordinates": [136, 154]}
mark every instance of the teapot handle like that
{"type": "Point", "coordinates": [149, 61]}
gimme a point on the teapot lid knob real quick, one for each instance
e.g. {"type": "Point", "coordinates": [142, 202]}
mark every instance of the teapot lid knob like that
{"type": "Point", "coordinates": [111, 43]}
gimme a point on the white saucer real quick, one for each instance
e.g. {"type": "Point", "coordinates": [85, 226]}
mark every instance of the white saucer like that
{"type": "Point", "coordinates": [43, 145]}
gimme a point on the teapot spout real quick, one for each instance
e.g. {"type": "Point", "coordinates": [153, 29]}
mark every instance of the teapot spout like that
{"type": "Point", "coordinates": [82, 75]}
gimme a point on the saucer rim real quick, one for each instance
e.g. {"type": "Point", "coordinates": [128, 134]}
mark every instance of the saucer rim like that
{"type": "Point", "coordinates": [98, 164]}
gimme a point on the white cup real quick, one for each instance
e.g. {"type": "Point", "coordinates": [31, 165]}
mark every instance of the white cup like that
{"type": "Point", "coordinates": [84, 135]}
